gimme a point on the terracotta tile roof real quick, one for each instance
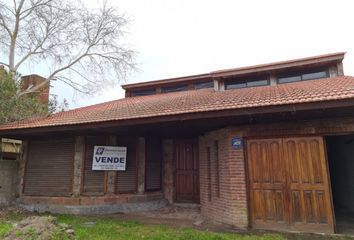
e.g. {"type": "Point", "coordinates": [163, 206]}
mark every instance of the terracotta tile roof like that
{"type": "Point", "coordinates": [195, 101]}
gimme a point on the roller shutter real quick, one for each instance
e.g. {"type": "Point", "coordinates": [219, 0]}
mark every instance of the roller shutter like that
{"type": "Point", "coordinates": [153, 164]}
{"type": "Point", "coordinates": [49, 168]}
{"type": "Point", "coordinates": [93, 183]}
{"type": "Point", "coordinates": [126, 181]}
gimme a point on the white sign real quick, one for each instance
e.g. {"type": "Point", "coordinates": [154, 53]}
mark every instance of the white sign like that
{"type": "Point", "coordinates": [109, 158]}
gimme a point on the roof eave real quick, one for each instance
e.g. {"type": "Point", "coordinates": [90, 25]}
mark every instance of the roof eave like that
{"type": "Point", "coordinates": [335, 57]}
{"type": "Point", "coordinates": [323, 105]}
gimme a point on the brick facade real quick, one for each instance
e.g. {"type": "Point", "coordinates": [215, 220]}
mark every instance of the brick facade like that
{"type": "Point", "coordinates": [223, 200]}
{"type": "Point", "coordinates": [228, 204]}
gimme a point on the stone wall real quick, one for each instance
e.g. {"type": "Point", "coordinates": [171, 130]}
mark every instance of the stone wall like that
{"type": "Point", "coordinates": [8, 180]}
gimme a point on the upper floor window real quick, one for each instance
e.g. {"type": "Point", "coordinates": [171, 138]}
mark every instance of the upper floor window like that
{"type": "Point", "coordinates": [143, 92]}
{"type": "Point", "coordinates": [247, 82]}
{"type": "Point", "coordinates": [175, 88]}
{"type": "Point", "coordinates": [302, 76]}
{"type": "Point", "coordinates": [206, 84]}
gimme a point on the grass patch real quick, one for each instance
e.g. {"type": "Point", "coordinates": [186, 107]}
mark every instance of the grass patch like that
{"type": "Point", "coordinates": [106, 228]}
{"type": "Point", "coordinates": [4, 229]}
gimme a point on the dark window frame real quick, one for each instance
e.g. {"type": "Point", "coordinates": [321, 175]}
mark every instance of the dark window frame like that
{"type": "Point", "coordinates": [143, 92]}
{"type": "Point", "coordinates": [217, 167]}
{"type": "Point", "coordinates": [247, 82]}
{"type": "Point", "coordinates": [300, 74]}
{"type": "Point", "coordinates": [203, 84]}
{"type": "Point", "coordinates": [174, 88]}
{"type": "Point", "coordinates": [208, 152]}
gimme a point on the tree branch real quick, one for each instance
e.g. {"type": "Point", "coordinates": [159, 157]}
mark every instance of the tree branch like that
{"type": "Point", "coordinates": [69, 39]}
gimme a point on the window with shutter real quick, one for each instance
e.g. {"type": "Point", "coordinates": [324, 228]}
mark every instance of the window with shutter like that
{"type": "Point", "coordinates": [49, 167]}
{"type": "Point", "coordinates": [93, 182]}
{"type": "Point", "coordinates": [126, 181]}
{"type": "Point", "coordinates": [153, 164]}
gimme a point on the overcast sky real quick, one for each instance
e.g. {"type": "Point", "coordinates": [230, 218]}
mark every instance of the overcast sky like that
{"type": "Point", "coordinates": [182, 37]}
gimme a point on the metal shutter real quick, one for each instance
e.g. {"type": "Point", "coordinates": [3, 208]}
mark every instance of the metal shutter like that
{"type": "Point", "coordinates": [49, 168]}
{"type": "Point", "coordinates": [126, 181]}
{"type": "Point", "coordinates": [153, 164]}
{"type": "Point", "coordinates": [93, 183]}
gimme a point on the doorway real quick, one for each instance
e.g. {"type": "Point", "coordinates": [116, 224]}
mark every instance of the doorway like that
{"type": "Point", "coordinates": [340, 152]}
{"type": "Point", "coordinates": [187, 171]}
{"type": "Point", "coordinates": [289, 185]}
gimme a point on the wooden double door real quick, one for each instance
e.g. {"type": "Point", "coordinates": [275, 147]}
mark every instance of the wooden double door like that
{"type": "Point", "coordinates": [187, 170]}
{"type": "Point", "coordinates": [289, 184]}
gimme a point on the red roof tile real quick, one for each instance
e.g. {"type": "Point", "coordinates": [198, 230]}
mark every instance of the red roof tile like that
{"type": "Point", "coordinates": [194, 101]}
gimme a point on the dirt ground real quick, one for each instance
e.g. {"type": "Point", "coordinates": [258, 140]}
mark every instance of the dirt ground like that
{"type": "Point", "coordinates": [185, 216]}
{"type": "Point", "coordinates": [189, 216]}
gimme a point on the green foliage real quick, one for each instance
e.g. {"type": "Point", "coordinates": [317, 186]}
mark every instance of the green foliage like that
{"type": "Point", "coordinates": [14, 108]}
{"type": "Point", "coordinates": [5, 228]}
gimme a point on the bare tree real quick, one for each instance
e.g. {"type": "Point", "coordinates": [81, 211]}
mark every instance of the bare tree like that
{"type": "Point", "coordinates": [83, 47]}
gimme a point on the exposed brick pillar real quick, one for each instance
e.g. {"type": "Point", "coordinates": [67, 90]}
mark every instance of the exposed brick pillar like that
{"type": "Point", "coordinates": [111, 175]}
{"type": "Point", "coordinates": [78, 165]}
{"type": "Point", "coordinates": [22, 167]}
{"type": "Point", "coordinates": [141, 164]}
{"type": "Point", "coordinates": [238, 182]}
{"type": "Point", "coordinates": [169, 169]}
{"type": "Point", "coordinates": [226, 201]}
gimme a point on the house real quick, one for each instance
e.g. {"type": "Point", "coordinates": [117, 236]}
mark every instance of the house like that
{"type": "Point", "coordinates": [266, 147]}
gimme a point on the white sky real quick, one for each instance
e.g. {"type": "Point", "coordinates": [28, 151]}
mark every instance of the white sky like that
{"type": "Point", "coordinates": [183, 37]}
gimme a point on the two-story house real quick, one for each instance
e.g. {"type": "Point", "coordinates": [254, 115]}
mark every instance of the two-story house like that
{"type": "Point", "coordinates": [267, 146]}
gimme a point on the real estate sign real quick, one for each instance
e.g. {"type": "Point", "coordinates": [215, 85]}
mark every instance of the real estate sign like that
{"type": "Point", "coordinates": [109, 158]}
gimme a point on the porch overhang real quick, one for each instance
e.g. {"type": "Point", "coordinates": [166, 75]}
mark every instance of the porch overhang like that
{"type": "Point", "coordinates": [197, 122]}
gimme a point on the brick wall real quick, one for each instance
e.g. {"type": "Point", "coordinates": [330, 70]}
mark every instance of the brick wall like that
{"type": "Point", "coordinates": [34, 80]}
{"type": "Point", "coordinates": [229, 206]}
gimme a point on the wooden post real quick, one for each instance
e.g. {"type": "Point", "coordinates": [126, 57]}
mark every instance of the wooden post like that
{"type": "Point", "coordinates": [141, 165]}
{"type": "Point", "coordinates": [111, 175]}
{"type": "Point", "coordinates": [168, 170]}
{"type": "Point", "coordinates": [340, 69]}
{"type": "Point", "coordinates": [219, 85]}
{"type": "Point", "coordinates": [273, 79]}
{"type": "Point", "coordinates": [22, 167]}
{"type": "Point", "coordinates": [78, 165]}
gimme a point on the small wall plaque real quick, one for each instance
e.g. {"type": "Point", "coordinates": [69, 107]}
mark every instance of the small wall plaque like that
{"type": "Point", "coordinates": [237, 143]}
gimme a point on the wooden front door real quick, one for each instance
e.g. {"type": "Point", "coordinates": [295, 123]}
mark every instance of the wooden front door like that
{"type": "Point", "coordinates": [289, 186]}
{"type": "Point", "coordinates": [187, 171]}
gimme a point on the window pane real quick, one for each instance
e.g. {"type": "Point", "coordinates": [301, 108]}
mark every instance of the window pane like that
{"type": "Point", "coordinates": [257, 83]}
{"type": "Point", "coordinates": [143, 92]}
{"type": "Point", "coordinates": [314, 75]}
{"type": "Point", "coordinates": [200, 85]}
{"type": "Point", "coordinates": [174, 88]}
{"type": "Point", "coordinates": [235, 85]}
{"type": "Point", "coordinates": [289, 79]}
